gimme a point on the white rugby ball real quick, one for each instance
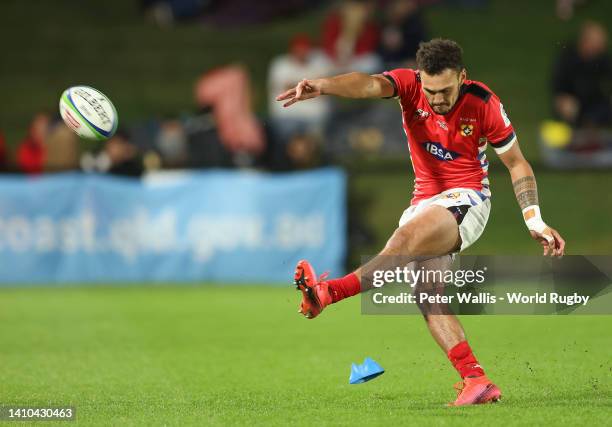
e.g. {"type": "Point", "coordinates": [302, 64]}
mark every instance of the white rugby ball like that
{"type": "Point", "coordinates": [88, 112]}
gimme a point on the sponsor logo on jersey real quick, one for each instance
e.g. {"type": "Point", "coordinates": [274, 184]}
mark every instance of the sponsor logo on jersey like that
{"type": "Point", "coordinates": [442, 124]}
{"type": "Point", "coordinates": [467, 130]}
{"type": "Point", "coordinates": [421, 114]}
{"type": "Point", "coordinates": [439, 152]}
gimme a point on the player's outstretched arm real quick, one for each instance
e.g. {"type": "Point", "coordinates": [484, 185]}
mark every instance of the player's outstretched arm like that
{"type": "Point", "coordinates": [526, 191]}
{"type": "Point", "coordinates": [351, 85]}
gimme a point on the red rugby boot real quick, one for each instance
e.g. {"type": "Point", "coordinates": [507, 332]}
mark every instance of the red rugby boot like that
{"type": "Point", "coordinates": [315, 293]}
{"type": "Point", "coordinates": [476, 390]}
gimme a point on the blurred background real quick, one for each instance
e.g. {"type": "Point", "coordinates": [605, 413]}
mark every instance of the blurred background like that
{"type": "Point", "coordinates": [194, 83]}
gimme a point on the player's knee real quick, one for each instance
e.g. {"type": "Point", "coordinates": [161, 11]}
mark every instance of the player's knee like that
{"type": "Point", "coordinates": [400, 240]}
{"type": "Point", "coordinates": [408, 239]}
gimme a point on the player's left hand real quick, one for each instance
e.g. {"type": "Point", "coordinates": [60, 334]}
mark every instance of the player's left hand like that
{"type": "Point", "coordinates": [551, 241]}
{"type": "Point", "coordinates": [305, 89]}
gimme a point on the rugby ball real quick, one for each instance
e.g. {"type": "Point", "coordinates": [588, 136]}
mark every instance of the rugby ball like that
{"type": "Point", "coordinates": [88, 112]}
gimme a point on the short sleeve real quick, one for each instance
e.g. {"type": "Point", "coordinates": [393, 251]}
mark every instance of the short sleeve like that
{"type": "Point", "coordinates": [405, 83]}
{"type": "Point", "coordinates": [497, 127]}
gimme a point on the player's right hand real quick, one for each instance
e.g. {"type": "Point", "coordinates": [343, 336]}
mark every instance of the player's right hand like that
{"type": "Point", "coordinates": [306, 89]}
{"type": "Point", "coordinates": [551, 241]}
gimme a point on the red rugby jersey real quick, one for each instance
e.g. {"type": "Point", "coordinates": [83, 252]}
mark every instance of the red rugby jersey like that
{"type": "Point", "coordinates": [448, 150]}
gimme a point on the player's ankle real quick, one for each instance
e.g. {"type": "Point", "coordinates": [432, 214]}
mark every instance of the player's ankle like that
{"type": "Point", "coordinates": [464, 361]}
{"type": "Point", "coordinates": [472, 372]}
{"type": "Point", "coordinates": [344, 287]}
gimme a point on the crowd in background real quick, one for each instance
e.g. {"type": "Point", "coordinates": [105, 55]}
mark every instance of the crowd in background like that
{"type": "Point", "coordinates": [581, 136]}
{"type": "Point", "coordinates": [582, 80]}
{"type": "Point", "coordinates": [224, 131]}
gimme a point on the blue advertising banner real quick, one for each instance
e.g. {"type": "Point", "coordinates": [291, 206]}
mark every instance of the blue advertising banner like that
{"type": "Point", "coordinates": [222, 226]}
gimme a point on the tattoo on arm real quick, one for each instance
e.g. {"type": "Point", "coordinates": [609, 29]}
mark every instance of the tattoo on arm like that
{"type": "Point", "coordinates": [526, 191]}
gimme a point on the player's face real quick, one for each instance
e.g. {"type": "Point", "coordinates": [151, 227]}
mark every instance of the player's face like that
{"type": "Point", "coordinates": [442, 90]}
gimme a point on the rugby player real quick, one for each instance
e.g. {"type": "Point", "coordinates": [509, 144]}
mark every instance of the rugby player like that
{"type": "Point", "coordinates": [449, 121]}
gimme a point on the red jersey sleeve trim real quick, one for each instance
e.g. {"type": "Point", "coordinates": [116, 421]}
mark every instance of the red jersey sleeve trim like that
{"type": "Point", "coordinates": [393, 82]}
{"type": "Point", "coordinates": [507, 140]}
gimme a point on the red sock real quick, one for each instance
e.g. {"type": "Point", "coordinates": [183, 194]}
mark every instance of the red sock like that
{"type": "Point", "coordinates": [344, 287]}
{"type": "Point", "coordinates": [463, 359]}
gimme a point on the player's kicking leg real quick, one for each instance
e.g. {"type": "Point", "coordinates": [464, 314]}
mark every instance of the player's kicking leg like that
{"type": "Point", "coordinates": [433, 232]}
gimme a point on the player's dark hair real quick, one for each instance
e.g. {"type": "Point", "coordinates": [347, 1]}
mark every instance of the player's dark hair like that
{"type": "Point", "coordinates": [437, 55]}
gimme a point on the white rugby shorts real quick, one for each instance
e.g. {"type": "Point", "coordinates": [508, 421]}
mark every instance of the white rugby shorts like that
{"type": "Point", "coordinates": [473, 222]}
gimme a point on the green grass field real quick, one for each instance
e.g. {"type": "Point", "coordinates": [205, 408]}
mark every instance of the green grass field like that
{"type": "Point", "coordinates": [193, 355]}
